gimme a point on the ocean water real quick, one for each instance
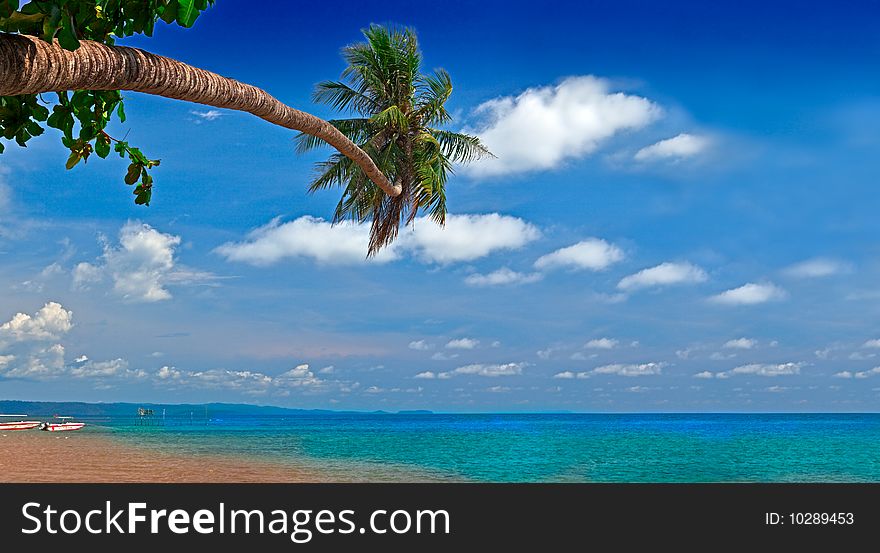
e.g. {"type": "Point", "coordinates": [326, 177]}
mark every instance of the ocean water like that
{"type": "Point", "coordinates": [537, 447]}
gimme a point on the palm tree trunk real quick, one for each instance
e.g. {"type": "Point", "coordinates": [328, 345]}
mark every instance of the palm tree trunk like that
{"type": "Point", "coordinates": [29, 65]}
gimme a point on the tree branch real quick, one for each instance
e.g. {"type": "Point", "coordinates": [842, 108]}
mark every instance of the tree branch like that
{"type": "Point", "coordinates": [29, 65]}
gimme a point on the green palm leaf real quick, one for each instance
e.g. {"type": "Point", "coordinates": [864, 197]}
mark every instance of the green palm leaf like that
{"type": "Point", "coordinates": [398, 109]}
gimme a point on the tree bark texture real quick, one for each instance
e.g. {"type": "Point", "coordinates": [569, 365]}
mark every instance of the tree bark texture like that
{"type": "Point", "coordinates": [29, 65]}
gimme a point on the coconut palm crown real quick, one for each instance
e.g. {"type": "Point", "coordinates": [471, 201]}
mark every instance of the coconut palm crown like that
{"type": "Point", "coordinates": [398, 110]}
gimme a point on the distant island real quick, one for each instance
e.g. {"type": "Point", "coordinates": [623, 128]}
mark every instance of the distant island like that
{"type": "Point", "coordinates": [83, 409]}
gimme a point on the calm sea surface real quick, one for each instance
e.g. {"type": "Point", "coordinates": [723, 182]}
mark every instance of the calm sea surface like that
{"type": "Point", "coordinates": [539, 448]}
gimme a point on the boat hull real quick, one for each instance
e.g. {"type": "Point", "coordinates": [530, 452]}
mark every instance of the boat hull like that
{"type": "Point", "coordinates": [63, 427]}
{"type": "Point", "coordinates": [22, 425]}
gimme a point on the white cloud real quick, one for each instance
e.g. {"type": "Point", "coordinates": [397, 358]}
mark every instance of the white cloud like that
{"type": "Point", "coordinates": [843, 374]}
{"type": "Point", "coordinates": [99, 369]}
{"type": "Point", "coordinates": [39, 364]}
{"type": "Point", "coordinates": [678, 147]}
{"type": "Point", "coordinates": [427, 375]}
{"type": "Point", "coordinates": [545, 126]}
{"type": "Point", "coordinates": [168, 373]}
{"type": "Point", "coordinates": [442, 356]}
{"type": "Point", "coordinates": [487, 370]}
{"type": "Point", "coordinates": [740, 343]}
{"type": "Point", "coordinates": [592, 254]}
{"type": "Point", "coordinates": [601, 343]}
{"type": "Point", "coordinates": [463, 238]}
{"type": "Point", "coordinates": [865, 374]}
{"type": "Point", "coordinates": [49, 323]}
{"type": "Point", "coordinates": [642, 369]}
{"type": "Point", "coordinates": [617, 369]}
{"type": "Point", "coordinates": [463, 343]}
{"type": "Point", "coordinates": [345, 243]}
{"type": "Point", "coordinates": [817, 268]}
{"type": "Point", "coordinates": [420, 345]}
{"type": "Point", "coordinates": [466, 237]}
{"type": "Point", "coordinates": [750, 294]}
{"type": "Point", "coordinates": [501, 277]}
{"type": "Point", "coordinates": [140, 267]}
{"type": "Point", "coordinates": [208, 115]}
{"type": "Point", "coordinates": [665, 274]}
{"type": "Point", "coordinates": [704, 374]}
{"type": "Point", "coordinates": [763, 369]}
{"type": "Point", "coordinates": [872, 344]}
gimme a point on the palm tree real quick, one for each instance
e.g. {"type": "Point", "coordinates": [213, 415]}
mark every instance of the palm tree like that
{"type": "Point", "coordinates": [399, 111]}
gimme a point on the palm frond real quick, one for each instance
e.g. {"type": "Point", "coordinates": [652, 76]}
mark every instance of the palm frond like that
{"type": "Point", "coordinates": [344, 97]}
{"type": "Point", "coordinates": [459, 147]}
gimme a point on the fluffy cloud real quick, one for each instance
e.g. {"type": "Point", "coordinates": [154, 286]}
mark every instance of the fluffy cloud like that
{"type": "Point", "coordinates": [243, 381]}
{"type": "Point", "coordinates": [750, 294]}
{"type": "Point", "coordinates": [763, 369]}
{"type": "Point", "coordinates": [427, 375]}
{"type": "Point", "coordinates": [617, 369]}
{"type": "Point", "coordinates": [740, 343]}
{"type": "Point", "coordinates": [49, 323]}
{"type": "Point", "coordinates": [865, 374]}
{"type": "Point", "coordinates": [592, 254]}
{"type": "Point", "coordinates": [860, 374]}
{"type": "Point", "coordinates": [487, 370]}
{"type": "Point", "coordinates": [84, 367]}
{"type": "Point", "coordinates": [420, 345]}
{"type": "Point", "coordinates": [601, 343]}
{"type": "Point", "coordinates": [501, 277]}
{"type": "Point", "coordinates": [665, 274]}
{"type": "Point", "coordinates": [678, 147]}
{"type": "Point", "coordinates": [872, 344]}
{"type": "Point", "coordinates": [345, 243]}
{"type": "Point", "coordinates": [817, 268]}
{"type": "Point", "coordinates": [464, 238]}
{"type": "Point", "coordinates": [704, 374]}
{"type": "Point", "coordinates": [642, 369]}
{"type": "Point", "coordinates": [542, 127]}
{"type": "Point", "coordinates": [140, 267]}
{"type": "Point", "coordinates": [463, 343]}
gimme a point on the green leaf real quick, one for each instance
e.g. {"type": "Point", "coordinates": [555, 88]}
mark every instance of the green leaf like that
{"type": "Point", "coordinates": [169, 13]}
{"type": "Point", "coordinates": [67, 38]}
{"type": "Point", "coordinates": [102, 147]}
{"type": "Point", "coordinates": [120, 111]}
{"type": "Point", "coordinates": [8, 7]}
{"type": "Point", "coordinates": [73, 160]}
{"type": "Point", "coordinates": [134, 172]}
{"type": "Point", "coordinates": [187, 12]}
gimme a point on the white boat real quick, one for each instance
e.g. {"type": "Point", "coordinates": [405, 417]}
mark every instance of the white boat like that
{"type": "Point", "coordinates": [17, 425]}
{"type": "Point", "coordinates": [64, 426]}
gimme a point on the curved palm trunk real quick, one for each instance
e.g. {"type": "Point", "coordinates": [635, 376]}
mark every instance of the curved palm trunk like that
{"type": "Point", "coordinates": [29, 65]}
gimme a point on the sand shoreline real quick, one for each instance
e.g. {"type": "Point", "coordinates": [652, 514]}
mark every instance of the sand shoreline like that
{"type": "Point", "coordinates": [32, 456]}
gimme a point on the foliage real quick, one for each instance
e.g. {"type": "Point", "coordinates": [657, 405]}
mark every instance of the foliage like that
{"type": "Point", "coordinates": [83, 116]}
{"type": "Point", "coordinates": [400, 110]}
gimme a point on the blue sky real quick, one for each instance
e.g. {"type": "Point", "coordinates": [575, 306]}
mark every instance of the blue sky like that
{"type": "Point", "coordinates": [682, 217]}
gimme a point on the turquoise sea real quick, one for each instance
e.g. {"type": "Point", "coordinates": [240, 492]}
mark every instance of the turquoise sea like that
{"type": "Point", "coordinates": [537, 447]}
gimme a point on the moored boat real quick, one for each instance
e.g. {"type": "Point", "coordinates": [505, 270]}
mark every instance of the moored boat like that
{"type": "Point", "coordinates": [65, 426]}
{"type": "Point", "coordinates": [17, 425]}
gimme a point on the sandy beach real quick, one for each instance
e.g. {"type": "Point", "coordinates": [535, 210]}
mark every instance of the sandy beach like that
{"type": "Point", "coordinates": [32, 456]}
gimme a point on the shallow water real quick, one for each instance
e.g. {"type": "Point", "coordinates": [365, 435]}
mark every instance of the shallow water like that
{"type": "Point", "coordinates": [536, 448]}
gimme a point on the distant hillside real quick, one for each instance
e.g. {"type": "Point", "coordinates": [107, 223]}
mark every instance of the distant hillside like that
{"type": "Point", "coordinates": [80, 409]}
